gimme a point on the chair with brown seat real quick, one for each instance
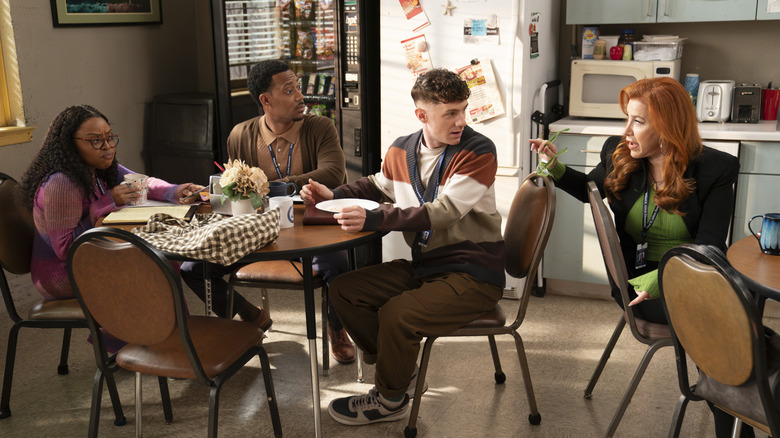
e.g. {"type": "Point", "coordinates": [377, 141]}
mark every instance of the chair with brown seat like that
{"type": "Point", "coordinates": [148, 312]}
{"type": "Point", "coordinates": [717, 324]}
{"type": "Point", "coordinates": [16, 242]}
{"type": "Point", "coordinates": [525, 236]}
{"type": "Point", "coordinates": [655, 336]}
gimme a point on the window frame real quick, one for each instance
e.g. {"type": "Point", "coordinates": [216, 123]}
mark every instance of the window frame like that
{"type": "Point", "coordinates": [13, 129]}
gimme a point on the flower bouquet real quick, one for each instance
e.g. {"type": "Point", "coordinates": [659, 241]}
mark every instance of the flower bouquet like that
{"type": "Point", "coordinates": [239, 181]}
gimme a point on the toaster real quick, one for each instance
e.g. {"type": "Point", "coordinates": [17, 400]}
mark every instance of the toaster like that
{"type": "Point", "coordinates": [746, 105]}
{"type": "Point", "coordinates": [713, 104]}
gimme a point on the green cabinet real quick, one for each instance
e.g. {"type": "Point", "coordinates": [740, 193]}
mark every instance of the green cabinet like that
{"type": "Point", "coordinates": [759, 180]}
{"type": "Point", "coordinates": [662, 11]}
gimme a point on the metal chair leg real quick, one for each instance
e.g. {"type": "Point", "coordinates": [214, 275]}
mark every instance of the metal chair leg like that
{"type": "Point", "coordinates": [677, 419]}
{"type": "Point", "coordinates": [499, 373]}
{"type": "Point", "coordinates": [165, 396]}
{"type": "Point", "coordinates": [411, 428]}
{"type": "Point", "coordinates": [62, 369]}
{"type": "Point", "coordinates": [534, 417]}
{"type": "Point", "coordinates": [139, 403]}
{"type": "Point", "coordinates": [325, 343]}
{"type": "Point", "coordinates": [359, 362]}
{"type": "Point", "coordinates": [640, 371]}
{"type": "Point", "coordinates": [605, 356]}
{"type": "Point", "coordinates": [8, 375]}
{"type": "Point", "coordinates": [270, 393]}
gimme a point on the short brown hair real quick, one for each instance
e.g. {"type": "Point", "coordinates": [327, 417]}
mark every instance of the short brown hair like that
{"type": "Point", "coordinates": [440, 86]}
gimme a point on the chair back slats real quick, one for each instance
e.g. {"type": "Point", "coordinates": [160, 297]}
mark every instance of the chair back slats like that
{"type": "Point", "coordinates": [16, 228]}
{"type": "Point", "coordinates": [709, 319]}
{"type": "Point", "coordinates": [528, 225]}
{"type": "Point", "coordinates": [126, 291]}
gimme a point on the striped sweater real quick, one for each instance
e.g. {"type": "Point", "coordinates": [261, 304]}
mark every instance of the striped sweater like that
{"type": "Point", "coordinates": [62, 212]}
{"type": "Point", "coordinates": [466, 227]}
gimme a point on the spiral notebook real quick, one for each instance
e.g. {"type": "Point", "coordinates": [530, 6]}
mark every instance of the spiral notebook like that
{"type": "Point", "coordinates": [140, 215]}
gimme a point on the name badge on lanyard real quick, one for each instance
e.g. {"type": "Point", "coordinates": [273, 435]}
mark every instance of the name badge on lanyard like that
{"type": "Point", "coordinates": [425, 236]}
{"type": "Point", "coordinates": [641, 249]}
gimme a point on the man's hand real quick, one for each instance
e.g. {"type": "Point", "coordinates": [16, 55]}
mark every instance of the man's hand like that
{"type": "Point", "coordinates": [351, 218]}
{"type": "Point", "coordinates": [314, 192]}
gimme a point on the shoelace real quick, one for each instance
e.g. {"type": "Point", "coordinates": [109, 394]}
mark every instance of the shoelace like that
{"type": "Point", "coordinates": [365, 402]}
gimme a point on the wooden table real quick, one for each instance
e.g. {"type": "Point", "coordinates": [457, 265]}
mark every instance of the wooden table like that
{"type": "Point", "coordinates": [304, 242]}
{"type": "Point", "coordinates": [763, 270]}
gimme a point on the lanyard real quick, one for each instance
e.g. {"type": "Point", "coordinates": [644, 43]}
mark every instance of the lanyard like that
{"type": "Point", "coordinates": [276, 164]}
{"type": "Point", "coordinates": [433, 182]}
{"type": "Point", "coordinates": [645, 224]}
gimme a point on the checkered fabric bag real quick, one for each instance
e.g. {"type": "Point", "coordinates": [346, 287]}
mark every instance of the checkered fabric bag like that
{"type": "Point", "coordinates": [211, 237]}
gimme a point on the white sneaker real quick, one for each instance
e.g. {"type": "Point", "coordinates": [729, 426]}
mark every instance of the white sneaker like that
{"type": "Point", "coordinates": [358, 410]}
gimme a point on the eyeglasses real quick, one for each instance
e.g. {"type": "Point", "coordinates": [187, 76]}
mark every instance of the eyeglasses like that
{"type": "Point", "coordinates": [98, 142]}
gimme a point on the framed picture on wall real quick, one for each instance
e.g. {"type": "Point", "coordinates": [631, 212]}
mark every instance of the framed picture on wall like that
{"type": "Point", "coordinates": [105, 12]}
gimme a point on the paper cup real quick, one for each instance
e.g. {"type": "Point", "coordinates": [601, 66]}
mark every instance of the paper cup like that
{"type": "Point", "coordinates": [285, 206]}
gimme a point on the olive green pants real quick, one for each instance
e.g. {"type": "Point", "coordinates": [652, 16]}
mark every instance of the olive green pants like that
{"type": "Point", "coordinates": [387, 312]}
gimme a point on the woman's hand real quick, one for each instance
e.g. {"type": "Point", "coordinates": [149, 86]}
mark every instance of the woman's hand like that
{"type": "Point", "coordinates": [351, 218]}
{"type": "Point", "coordinates": [185, 191]}
{"type": "Point", "coordinates": [640, 297]}
{"type": "Point", "coordinates": [314, 192]}
{"type": "Point", "coordinates": [125, 194]}
{"type": "Point", "coordinates": [545, 149]}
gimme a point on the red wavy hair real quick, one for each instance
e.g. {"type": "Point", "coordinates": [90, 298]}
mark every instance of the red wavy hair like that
{"type": "Point", "coordinates": [672, 115]}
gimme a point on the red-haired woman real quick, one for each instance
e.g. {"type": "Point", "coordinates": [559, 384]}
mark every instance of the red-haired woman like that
{"type": "Point", "coordinates": [659, 162]}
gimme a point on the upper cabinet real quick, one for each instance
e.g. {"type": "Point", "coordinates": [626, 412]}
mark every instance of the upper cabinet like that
{"type": "Point", "coordinates": [664, 11]}
{"type": "Point", "coordinates": [767, 12]}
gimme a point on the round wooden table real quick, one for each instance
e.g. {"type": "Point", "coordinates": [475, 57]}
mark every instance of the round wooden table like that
{"type": "Point", "coordinates": [762, 269]}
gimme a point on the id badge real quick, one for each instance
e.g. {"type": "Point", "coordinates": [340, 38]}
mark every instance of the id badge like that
{"type": "Point", "coordinates": [641, 255]}
{"type": "Point", "coordinates": [425, 236]}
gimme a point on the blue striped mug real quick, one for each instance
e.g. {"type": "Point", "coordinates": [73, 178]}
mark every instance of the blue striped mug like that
{"type": "Point", "coordinates": [769, 235]}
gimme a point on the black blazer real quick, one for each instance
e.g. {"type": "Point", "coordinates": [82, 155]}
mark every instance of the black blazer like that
{"type": "Point", "coordinates": [707, 211]}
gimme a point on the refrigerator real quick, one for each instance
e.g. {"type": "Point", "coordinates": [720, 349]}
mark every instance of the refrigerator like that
{"type": "Point", "coordinates": [520, 40]}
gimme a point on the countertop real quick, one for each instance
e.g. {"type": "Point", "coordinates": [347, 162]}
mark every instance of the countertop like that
{"type": "Point", "coordinates": [764, 130]}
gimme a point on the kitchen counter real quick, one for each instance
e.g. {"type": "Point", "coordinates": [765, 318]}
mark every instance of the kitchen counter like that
{"type": "Point", "coordinates": [764, 130]}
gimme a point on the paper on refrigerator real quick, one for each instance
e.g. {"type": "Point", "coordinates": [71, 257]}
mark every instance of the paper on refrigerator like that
{"type": "Point", "coordinates": [414, 13]}
{"type": "Point", "coordinates": [485, 101]}
{"type": "Point", "coordinates": [418, 60]}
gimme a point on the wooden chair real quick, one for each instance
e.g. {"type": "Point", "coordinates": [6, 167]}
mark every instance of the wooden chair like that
{"type": "Point", "coordinates": [716, 323]}
{"type": "Point", "coordinates": [16, 242]}
{"type": "Point", "coordinates": [147, 311]}
{"type": "Point", "coordinates": [527, 230]}
{"type": "Point", "coordinates": [655, 336]}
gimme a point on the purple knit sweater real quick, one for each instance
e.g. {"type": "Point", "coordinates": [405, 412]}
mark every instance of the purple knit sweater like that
{"type": "Point", "coordinates": [62, 212]}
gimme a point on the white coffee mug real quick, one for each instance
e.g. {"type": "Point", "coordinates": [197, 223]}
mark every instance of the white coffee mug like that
{"type": "Point", "coordinates": [138, 182]}
{"type": "Point", "coordinates": [285, 206]}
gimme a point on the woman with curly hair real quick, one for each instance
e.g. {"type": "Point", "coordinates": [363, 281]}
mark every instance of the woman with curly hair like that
{"type": "Point", "coordinates": [664, 187]}
{"type": "Point", "coordinates": [72, 182]}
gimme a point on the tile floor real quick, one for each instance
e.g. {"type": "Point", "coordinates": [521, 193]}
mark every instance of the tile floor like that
{"type": "Point", "coordinates": [563, 336]}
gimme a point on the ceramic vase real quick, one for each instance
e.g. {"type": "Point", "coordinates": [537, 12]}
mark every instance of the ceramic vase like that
{"type": "Point", "coordinates": [242, 206]}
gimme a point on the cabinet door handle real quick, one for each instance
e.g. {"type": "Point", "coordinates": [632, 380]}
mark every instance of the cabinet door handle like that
{"type": "Point", "coordinates": [648, 8]}
{"type": "Point", "coordinates": [665, 14]}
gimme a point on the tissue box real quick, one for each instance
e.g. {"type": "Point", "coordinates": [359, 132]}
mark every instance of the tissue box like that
{"type": "Point", "coordinates": [657, 50]}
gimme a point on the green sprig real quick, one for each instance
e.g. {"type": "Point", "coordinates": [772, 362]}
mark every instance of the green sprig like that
{"type": "Point", "coordinates": [543, 168]}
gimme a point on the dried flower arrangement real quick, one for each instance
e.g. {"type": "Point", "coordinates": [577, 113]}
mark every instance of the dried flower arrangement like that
{"type": "Point", "coordinates": [239, 181]}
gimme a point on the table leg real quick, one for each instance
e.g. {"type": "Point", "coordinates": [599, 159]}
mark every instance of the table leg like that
{"type": "Point", "coordinates": [207, 284]}
{"type": "Point", "coordinates": [311, 334]}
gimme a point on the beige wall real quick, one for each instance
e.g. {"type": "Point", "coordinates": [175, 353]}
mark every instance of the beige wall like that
{"type": "Point", "coordinates": [117, 69]}
{"type": "Point", "coordinates": [745, 51]}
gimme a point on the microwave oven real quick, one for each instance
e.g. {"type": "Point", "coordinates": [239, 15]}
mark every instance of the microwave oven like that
{"type": "Point", "coordinates": [596, 84]}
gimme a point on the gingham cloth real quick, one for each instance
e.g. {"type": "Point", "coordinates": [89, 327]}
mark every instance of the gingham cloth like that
{"type": "Point", "coordinates": [211, 237]}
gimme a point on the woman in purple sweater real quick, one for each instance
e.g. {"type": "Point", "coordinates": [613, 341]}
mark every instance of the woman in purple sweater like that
{"type": "Point", "coordinates": [72, 182]}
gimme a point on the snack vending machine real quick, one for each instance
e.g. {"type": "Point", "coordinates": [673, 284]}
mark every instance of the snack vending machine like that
{"type": "Point", "coordinates": [331, 44]}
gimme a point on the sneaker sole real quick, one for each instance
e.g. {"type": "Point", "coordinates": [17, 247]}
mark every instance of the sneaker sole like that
{"type": "Point", "coordinates": [400, 415]}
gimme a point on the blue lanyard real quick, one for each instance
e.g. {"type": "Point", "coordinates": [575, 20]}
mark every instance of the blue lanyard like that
{"type": "Point", "coordinates": [276, 164]}
{"type": "Point", "coordinates": [435, 176]}
{"type": "Point", "coordinates": [645, 224]}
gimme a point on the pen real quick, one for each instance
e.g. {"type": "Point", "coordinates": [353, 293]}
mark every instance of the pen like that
{"type": "Point", "coordinates": [192, 195]}
{"type": "Point", "coordinates": [219, 166]}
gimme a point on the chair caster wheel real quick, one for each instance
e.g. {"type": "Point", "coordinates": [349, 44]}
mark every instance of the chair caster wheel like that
{"type": "Point", "coordinates": [410, 433]}
{"type": "Point", "coordinates": [120, 422]}
{"type": "Point", "coordinates": [62, 370]}
{"type": "Point", "coordinates": [500, 377]}
{"type": "Point", "coordinates": [535, 419]}
{"type": "Point", "coordinates": [588, 395]}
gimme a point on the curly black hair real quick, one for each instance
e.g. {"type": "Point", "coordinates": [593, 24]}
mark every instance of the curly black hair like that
{"type": "Point", "coordinates": [440, 86]}
{"type": "Point", "coordinates": [261, 75]}
{"type": "Point", "coordinates": [59, 153]}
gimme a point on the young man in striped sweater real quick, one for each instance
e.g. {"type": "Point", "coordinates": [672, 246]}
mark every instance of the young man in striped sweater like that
{"type": "Point", "coordinates": [439, 187]}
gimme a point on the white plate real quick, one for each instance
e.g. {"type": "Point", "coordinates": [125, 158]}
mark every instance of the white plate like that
{"type": "Point", "coordinates": [335, 205]}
